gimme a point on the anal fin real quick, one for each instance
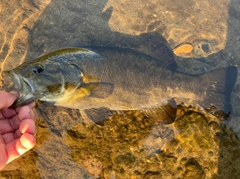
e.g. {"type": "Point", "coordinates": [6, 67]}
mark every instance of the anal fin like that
{"type": "Point", "coordinates": [164, 112]}
{"type": "Point", "coordinates": [96, 115]}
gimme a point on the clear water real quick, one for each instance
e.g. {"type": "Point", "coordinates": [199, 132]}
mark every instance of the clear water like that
{"type": "Point", "coordinates": [203, 36]}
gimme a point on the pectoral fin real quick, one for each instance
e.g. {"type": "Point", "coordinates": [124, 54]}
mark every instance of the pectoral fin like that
{"type": "Point", "coordinates": [101, 89]}
{"type": "Point", "coordinates": [165, 113]}
{"type": "Point", "coordinates": [96, 114]}
{"type": "Point", "coordinates": [92, 90]}
{"type": "Point", "coordinates": [95, 90]}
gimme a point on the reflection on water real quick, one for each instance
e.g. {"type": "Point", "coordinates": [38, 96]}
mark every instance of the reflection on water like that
{"type": "Point", "coordinates": [128, 145]}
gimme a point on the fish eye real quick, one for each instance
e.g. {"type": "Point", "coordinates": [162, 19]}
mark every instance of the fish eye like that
{"type": "Point", "coordinates": [37, 69]}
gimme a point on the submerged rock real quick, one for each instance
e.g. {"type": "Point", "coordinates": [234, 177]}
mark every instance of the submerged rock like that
{"type": "Point", "coordinates": [196, 145]}
{"type": "Point", "coordinates": [134, 146]}
{"type": "Point", "coordinates": [203, 25]}
{"type": "Point", "coordinates": [17, 18]}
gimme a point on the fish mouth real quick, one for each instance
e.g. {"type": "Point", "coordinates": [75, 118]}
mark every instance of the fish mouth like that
{"type": "Point", "coordinates": [14, 78]}
{"type": "Point", "coordinates": [23, 86]}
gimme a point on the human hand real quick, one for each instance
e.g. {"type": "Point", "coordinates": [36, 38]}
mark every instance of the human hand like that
{"type": "Point", "coordinates": [17, 128]}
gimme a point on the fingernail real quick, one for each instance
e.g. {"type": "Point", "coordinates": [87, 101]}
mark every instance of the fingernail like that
{"type": "Point", "coordinates": [15, 93]}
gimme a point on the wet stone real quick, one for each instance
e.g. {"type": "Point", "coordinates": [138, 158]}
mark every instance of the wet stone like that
{"type": "Point", "coordinates": [177, 21]}
{"type": "Point", "coordinates": [196, 145]}
{"type": "Point", "coordinates": [153, 152]}
{"type": "Point", "coordinates": [14, 35]}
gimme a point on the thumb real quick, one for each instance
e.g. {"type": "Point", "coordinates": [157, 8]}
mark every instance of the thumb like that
{"type": "Point", "coordinates": [7, 99]}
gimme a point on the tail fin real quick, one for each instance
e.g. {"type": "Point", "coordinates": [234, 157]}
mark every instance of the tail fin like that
{"type": "Point", "coordinates": [219, 85]}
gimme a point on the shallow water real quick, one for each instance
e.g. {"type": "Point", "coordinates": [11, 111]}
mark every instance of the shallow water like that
{"type": "Point", "coordinates": [203, 36]}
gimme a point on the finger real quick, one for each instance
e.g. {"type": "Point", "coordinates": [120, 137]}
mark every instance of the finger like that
{"type": "Point", "coordinates": [1, 140]}
{"type": "Point", "coordinates": [7, 112]}
{"type": "Point", "coordinates": [9, 137]}
{"type": "Point", "coordinates": [12, 153]}
{"type": "Point", "coordinates": [28, 141]}
{"type": "Point", "coordinates": [3, 158]}
{"type": "Point", "coordinates": [7, 99]}
{"type": "Point", "coordinates": [20, 146]}
{"type": "Point", "coordinates": [28, 126]}
{"type": "Point", "coordinates": [9, 125]}
{"type": "Point", "coordinates": [31, 105]}
{"type": "Point", "coordinates": [26, 112]}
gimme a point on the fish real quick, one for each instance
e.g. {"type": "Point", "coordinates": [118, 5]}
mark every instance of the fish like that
{"type": "Point", "coordinates": [99, 80]}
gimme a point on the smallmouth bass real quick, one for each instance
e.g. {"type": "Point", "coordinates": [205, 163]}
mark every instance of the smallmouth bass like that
{"type": "Point", "coordinates": [97, 80]}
